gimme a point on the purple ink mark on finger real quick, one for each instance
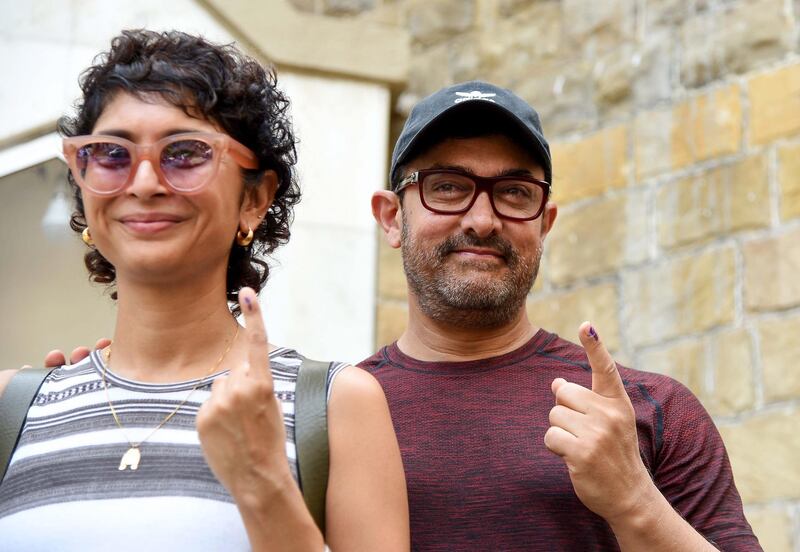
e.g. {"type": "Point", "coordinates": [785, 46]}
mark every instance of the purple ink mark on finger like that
{"type": "Point", "coordinates": [593, 333]}
{"type": "Point", "coordinates": [248, 302]}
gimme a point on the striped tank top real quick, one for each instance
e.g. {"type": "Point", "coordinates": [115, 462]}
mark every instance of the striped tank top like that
{"type": "Point", "coordinates": [63, 489]}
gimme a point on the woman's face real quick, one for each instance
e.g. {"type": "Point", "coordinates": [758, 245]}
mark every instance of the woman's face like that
{"type": "Point", "coordinates": [152, 234]}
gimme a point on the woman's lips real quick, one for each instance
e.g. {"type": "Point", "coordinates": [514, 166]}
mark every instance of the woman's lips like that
{"type": "Point", "coordinates": [150, 223]}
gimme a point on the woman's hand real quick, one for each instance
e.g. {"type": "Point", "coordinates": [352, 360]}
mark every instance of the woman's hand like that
{"type": "Point", "coordinates": [244, 441]}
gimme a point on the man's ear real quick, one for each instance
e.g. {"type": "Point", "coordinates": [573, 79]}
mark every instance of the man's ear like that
{"type": "Point", "coordinates": [548, 218]}
{"type": "Point", "coordinates": [388, 214]}
{"type": "Point", "coordinates": [257, 200]}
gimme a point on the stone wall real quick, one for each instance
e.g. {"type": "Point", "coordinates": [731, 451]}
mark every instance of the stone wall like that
{"type": "Point", "coordinates": [675, 127]}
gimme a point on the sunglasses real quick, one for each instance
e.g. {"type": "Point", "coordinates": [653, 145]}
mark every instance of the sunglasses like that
{"type": "Point", "coordinates": [186, 162]}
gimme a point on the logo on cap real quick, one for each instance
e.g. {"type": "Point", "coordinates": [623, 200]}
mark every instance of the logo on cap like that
{"type": "Point", "coordinates": [474, 95]}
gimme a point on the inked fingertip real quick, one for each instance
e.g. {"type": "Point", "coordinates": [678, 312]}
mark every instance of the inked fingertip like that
{"type": "Point", "coordinates": [593, 333]}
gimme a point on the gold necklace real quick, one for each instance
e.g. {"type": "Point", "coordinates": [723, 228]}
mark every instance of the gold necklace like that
{"type": "Point", "coordinates": [133, 455]}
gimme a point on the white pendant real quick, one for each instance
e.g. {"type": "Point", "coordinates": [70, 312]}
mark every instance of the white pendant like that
{"type": "Point", "coordinates": [131, 459]}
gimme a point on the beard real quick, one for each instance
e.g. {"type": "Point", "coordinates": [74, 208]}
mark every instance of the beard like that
{"type": "Point", "coordinates": [467, 296]}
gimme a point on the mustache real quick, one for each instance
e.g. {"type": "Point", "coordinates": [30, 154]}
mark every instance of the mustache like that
{"type": "Point", "coordinates": [454, 243]}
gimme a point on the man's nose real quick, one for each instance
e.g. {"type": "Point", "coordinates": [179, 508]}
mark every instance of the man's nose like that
{"type": "Point", "coordinates": [481, 218]}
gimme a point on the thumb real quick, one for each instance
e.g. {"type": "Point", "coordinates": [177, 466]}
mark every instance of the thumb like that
{"type": "Point", "coordinates": [606, 380]}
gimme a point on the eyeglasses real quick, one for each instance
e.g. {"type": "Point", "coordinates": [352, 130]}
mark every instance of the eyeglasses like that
{"type": "Point", "coordinates": [186, 162]}
{"type": "Point", "coordinates": [450, 192]}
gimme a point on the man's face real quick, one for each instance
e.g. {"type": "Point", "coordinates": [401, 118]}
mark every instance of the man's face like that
{"type": "Point", "coordinates": [472, 269]}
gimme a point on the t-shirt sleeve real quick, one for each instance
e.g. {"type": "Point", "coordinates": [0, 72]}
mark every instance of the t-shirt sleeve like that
{"type": "Point", "coordinates": [693, 472]}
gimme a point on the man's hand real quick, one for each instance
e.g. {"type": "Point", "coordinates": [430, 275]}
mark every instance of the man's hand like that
{"type": "Point", "coordinates": [56, 358]}
{"type": "Point", "coordinates": [594, 431]}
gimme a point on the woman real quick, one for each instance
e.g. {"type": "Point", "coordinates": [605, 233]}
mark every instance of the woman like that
{"type": "Point", "coordinates": [181, 159]}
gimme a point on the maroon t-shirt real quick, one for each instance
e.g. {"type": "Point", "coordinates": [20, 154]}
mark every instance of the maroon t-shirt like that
{"type": "Point", "coordinates": [480, 478]}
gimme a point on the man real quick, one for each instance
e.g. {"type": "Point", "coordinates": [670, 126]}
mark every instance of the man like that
{"type": "Point", "coordinates": [513, 438]}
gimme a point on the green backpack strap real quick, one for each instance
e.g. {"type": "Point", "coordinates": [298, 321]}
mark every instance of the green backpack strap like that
{"type": "Point", "coordinates": [14, 404]}
{"type": "Point", "coordinates": [311, 435]}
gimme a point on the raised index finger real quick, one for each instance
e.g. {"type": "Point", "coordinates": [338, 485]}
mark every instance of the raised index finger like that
{"type": "Point", "coordinates": [255, 334]}
{"type": "Point", "coordinates": [606, 380]}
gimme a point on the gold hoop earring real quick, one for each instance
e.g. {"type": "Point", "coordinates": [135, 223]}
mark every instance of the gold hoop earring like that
{"type": "Point", "coordinates": [244, 239]}
{"type": "Point", "coordinates": [87, 237]}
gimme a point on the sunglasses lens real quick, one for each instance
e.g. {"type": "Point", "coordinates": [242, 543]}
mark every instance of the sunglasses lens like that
{"type": "Point", "coordinates": [104, 166]}
{"type": "Point", "coordinates": [187, 164]}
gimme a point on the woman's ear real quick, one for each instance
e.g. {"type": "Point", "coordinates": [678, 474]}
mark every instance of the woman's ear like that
{"type": "Point", "coordinates": [388, 214]}
{"type": "Point", "coordinates": [257, 200]}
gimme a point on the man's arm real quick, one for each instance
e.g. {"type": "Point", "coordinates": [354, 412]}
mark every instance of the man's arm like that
{"type": "Point", "coordinates": [594, 431]}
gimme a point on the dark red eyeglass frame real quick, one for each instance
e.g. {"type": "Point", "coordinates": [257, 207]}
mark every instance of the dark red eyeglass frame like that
{"type": "Point", "coordinates": [482, 183]}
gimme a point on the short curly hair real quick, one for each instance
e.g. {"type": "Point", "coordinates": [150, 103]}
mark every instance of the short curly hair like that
{"type": "Point", "coordinates": [215, 82]}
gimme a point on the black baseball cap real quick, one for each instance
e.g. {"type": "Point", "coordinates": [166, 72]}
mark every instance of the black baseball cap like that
{"type": "Point", "coordinates": [468, 98]}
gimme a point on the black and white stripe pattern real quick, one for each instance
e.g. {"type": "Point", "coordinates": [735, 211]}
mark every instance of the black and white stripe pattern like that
{"type": "Point", "coordinates": [64, 469]}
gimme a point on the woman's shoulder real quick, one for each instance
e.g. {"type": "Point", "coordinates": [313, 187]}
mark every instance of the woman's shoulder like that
{"type": "Point", "coordinates": [286, 362]}
{"type": "Point", "coordinates": [354, 385]}
{"type": "Point", "coordinates": [344, 381]}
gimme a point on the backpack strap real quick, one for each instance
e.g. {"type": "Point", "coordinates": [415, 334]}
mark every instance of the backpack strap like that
{"type": "Point", "coordinates": [14, 404]}
{"type": "Point", "coordinates": [311, 435]}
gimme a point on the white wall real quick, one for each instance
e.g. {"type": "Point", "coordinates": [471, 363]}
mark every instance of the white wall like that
{"type": "Point", "coordinates": [322, 297]}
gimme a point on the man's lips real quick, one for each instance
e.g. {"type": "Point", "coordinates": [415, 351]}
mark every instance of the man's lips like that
{"type": "Point", "coordinates": [478, 253]}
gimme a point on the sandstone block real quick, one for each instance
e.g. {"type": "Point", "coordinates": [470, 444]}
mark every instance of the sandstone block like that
{"type": "Point", "coordinates": [590, 166]}
{"type": "Point", "coordinates": [706, 126]}
{"type": "Point", "coordinates": [428, 72]}
{"type": "Point", "coordinates": [347, 7]}
{"type": "Point", "coordinates": [392, 319]}
{"type": "Point", "coordinates": [771, 267]}
{"type": "Point", "coordinates": [717, 42]}
{"type": "Point", "coordinates": [614, 75]}
{"type": "Point", "coordinates": [700, 128]}
{"type": "Point", "coordinates": [520, 44]}
{"type": "Point", "coordinates": [652, 142]}
{"type": "Point", "coordinates": [679, 297]}
{"type": "Point", "coordinates": [431, 21]}
{"type": "Point", "coordinates": [304, 5]}
{"type": "Point", "coordinates": [773, 527]}
{"type": "Point", "coordinates": [789, 180]}
{"type": "Point", "coordinates": [722, 200]}
{"type": "Point", "coordinates": [600, 26]}
{"type": "Point", "coordinates": [561, 91]}
{"type": "Point", "coordinates": [597, 238]}
{"type": "Point", "coordinates": [732, 352]}
{"type": "Point", "coordinates": [562, 313]}
{"type": "Point", "coordinates": [653, 81]}
{"type": "Point", "coordinates": [774, 104]}
{"type": "Point", "coordinates": [768, 34]}
{"type": "Point", "coordinates": [665, 12]}
{"type": "Point", "coordinates": [509, 8]}
{"type": "Point", "coordinates": [763, 452]}
{"type": "Point", "coordinates": [728, 356]}
{"type": "Point", "coordinates": [780, 351]}
{"type": "Point", "coordinates": [386, 14]}
{"type": "Point", "coordinates": [391, 277]}
{"type": "Point", "coordinates": [685, 361]}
